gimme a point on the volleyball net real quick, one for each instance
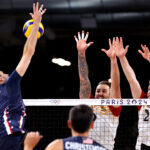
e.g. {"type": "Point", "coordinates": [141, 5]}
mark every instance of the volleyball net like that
{"type": "Point", "coordinates": [49, 117]}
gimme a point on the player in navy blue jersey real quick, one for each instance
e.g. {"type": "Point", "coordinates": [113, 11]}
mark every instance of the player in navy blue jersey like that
{"type": "Point", "coordinates": [81, 120]}
{"type": "Point", "coordinates": [12, 109]}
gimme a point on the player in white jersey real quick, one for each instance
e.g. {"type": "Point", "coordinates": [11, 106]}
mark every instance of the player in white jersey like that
{"type": "Point", "coordinates": [105, 126]}
{"type": "Point", "coordinates": [143, 141]}
{"type": "Point", "coordinates": [107, 117]}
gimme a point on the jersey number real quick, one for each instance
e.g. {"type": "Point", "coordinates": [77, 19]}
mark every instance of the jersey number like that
{"type": "Point", "coordinates": [147, 115]}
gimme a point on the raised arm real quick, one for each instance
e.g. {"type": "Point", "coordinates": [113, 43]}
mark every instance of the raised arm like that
{"type": "Point", "coordinates": [29, 47]}
{"type": "Point", "coordinates": [145, 53]}
{"type": "Point", "coordinates": [128, 71]}
{"type": "Point", "coordinates": [85, 85]}
{"type": "Point", "coordinates": [115, 74]}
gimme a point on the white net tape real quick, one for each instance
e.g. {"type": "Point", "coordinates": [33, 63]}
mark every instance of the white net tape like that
{"type": "Point", "coordinates": [73, 102]}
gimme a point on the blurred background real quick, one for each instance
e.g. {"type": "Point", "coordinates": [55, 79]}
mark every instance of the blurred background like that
{"type": "Point", "coordinates": [104, 19]}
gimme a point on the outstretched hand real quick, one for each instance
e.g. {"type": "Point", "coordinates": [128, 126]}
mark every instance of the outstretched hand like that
{"type": "Point", "coordinates": [110, 52]}
{"type": "Point", "coordinates": [119, 49]}
{"type": "Point", "coordinates": [145, 53]}
{"type": "Point", "coordinates": [37, 12]}
{"type": "Point", "coordinates": [82, 45]}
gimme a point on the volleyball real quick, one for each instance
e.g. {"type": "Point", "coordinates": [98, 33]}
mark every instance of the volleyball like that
{"type": "Point", "coordinates": [28, 26]}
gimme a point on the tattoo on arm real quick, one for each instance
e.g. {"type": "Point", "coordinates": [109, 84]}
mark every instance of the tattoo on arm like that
{"type": "Point", "coordinates": [85, 85]}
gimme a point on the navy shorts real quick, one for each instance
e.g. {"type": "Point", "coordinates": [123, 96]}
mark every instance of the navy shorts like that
{"type": "Point", "coordinates": [11, 142]}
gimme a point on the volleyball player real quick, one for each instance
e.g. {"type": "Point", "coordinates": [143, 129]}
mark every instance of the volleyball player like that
{"type": "Point", "coordinates": [144, 114]}
{"type": "Point", "coordinates": [12, 109]}
{"type": "Point", "coordinates": [80, 122]}
{"type": "Point", "coordinates": [143, 141]}
{"type": "Point", "coordinates": [107, 117]}
{"type": "Point", "coordinates": [137, 93]}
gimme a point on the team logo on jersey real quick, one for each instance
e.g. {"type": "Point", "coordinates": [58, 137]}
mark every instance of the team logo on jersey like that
{"type": "Point", "coordinates": [87, 141]}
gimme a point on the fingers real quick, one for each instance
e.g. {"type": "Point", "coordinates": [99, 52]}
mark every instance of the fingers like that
{"type": "Point", "coordinates": [142, 46]}
{"type": "Point", "coordinates": [90, 43]}
{"type": "Point", "coordinates": [43, 11]}
{"type": "Point", "coordinates": [79, 37]}
{"type": "Point", "coordinates": [104, 50]}
{"type": "Point", "coordinates": [109, 42]}
{"type": "Point", "coordinates": [141, 52]}
{"type": "Point", "coordinates": [31, 14]}
{"type": "Point", "coordinates": [86, 37]}
{"type": "Point", "coordinates": [145, 48]}
{"type": "Point", "coordinates": [37, 6]}
{"type": "Point", "coordinates": [113, 42]}
{"type": "Point", "coordinates": [41, 8]}
{"type": "Point", "coordinates": [82, 36]}
{"type": "Point", "coordinates": [75, 38]}
{"type": "Point", "coordinates": [121, 41]}
{"type": "Point", "coordinates": [33, 7]}
{"type": "Point", "coordinates": [35, 135]}
{"type": "Point", "coordinates": [117, 40]}
{"type": "Point", "coordinates": [126, 48]}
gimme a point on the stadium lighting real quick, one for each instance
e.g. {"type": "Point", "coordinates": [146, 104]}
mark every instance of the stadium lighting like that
{"type": "Point", "coordinates": [61, 62]}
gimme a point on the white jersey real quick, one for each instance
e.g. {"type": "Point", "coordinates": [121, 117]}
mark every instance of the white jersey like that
{"type": "Point", "coordinates": [105, 126]}
{"type": "Point", "coordinates": [144, 127]}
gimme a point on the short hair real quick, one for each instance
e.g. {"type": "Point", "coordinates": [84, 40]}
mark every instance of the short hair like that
{"type": "Point", "coordinates": [105, 82]}
{"type": "Point", "coordinates": [81, 117]}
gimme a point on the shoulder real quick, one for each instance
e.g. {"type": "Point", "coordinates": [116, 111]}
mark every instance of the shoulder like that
{"type": "Point", "coordinates": [55, 145]}
{"type": "Point", "coordinates": [14, 75]}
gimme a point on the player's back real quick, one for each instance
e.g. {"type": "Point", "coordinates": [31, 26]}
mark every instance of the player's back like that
{"type": "Point", "coordinates": [81, 143]}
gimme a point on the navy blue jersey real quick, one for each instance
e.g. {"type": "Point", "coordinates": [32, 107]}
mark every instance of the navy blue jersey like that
{"type": "Point", "coordinates": [12, 109]}
{"type": "Point", "coordinates": [81, 143]}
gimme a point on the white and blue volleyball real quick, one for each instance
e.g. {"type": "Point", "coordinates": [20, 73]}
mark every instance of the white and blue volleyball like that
{"type": "Point", "coordinates": [28, 26]}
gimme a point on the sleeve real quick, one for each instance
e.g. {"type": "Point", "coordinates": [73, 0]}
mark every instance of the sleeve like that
{"type": "Point", "coordinates": [115, 111]}
{"type": "Point", "coordinates": [13, 83]}
{"type": "Point", "coordinates": [143, 95]}
{"type": "Point", "coordinates": [91, 96]}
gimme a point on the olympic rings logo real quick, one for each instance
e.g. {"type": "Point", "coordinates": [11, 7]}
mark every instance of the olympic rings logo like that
{"type": "Point", "coordinates": [54, 101]}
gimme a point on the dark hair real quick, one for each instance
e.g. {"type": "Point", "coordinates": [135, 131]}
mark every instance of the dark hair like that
{"type": "Point", "coordinates": [81, 117]}
{"type": "Point", "coordinates": [105, 82]}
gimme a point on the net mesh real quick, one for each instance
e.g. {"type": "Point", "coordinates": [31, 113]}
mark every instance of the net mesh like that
{"type": "Point", "coordinates": [50, 119]}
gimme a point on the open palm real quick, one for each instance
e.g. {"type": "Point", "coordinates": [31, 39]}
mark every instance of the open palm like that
{"type": "Point", "coordinates": [145, 53]}
{"type": "Point", "coordinates": [119, 49]}
{"type": "Point", "coordinates": [82, 45]}
{"type": "Point", "coordinates": [110, 52]}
